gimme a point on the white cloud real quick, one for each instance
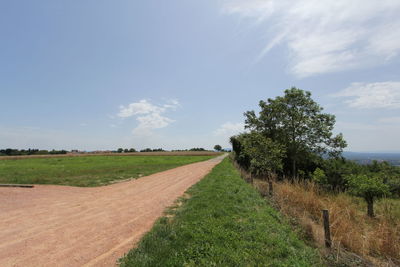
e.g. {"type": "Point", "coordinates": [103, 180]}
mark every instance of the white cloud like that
{"type": "Point", "coordinates": [172, 104]}
{"type": "Point", "coordinates": [148, 115]}
{"type": "Point", "coordinates": [326, 36]}
{"type": "Point", "coordinates": [149, 122]}
{"type": "Point", "coordinates": [372, 95]}
{"type": "Point", "coordinates": [141, 107]}
{"type": "Point", "coordinates": [228, 129]}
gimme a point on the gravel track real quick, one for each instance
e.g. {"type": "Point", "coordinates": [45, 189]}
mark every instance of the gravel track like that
{"type": "Point", "coordinates": [72, 226]}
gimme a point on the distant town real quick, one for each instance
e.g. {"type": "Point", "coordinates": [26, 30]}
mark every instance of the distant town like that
{"type": "Point", "coordinates": [367, 158]}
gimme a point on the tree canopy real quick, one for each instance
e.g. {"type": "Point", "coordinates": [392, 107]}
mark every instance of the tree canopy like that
{"type": "Point", "coordinates": [296, 122]}
{"type": "Point", "coordinates": [369, 187]}
{"type": "Point", "coordinates": [217, 147]}
{"type": "Point", "coordinates": [258, 153]}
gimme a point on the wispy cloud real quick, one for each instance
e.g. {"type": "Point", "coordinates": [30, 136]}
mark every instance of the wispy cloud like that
{"type": "Point", "coordinates": [372, 95]}
{"type": "Point", "coordinates": [149, 116]}
{"type": "Point", "coordinates": [228, 129]}
{"type": "Point", "coordinates": [326, 36]}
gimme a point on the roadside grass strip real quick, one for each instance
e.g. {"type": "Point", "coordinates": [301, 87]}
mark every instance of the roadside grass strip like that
{"type": "Point", "coordinates": [224, 222]}
{"type": "Point", "coordinates": [87, 171]}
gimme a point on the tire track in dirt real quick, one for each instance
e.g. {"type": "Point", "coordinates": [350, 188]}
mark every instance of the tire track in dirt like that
{"type": "Point", "coordinates": [70, 226]}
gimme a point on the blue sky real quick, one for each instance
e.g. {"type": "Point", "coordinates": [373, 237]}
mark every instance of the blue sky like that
{"type": "Point", "coordinates": [179, 74]}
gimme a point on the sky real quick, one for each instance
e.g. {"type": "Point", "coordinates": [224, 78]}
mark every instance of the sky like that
{"type": "Point", "coordinates": [177, 74]}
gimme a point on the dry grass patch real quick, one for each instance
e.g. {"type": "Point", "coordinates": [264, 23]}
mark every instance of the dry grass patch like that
{"type": "Point", "coordinates": [377, 239]}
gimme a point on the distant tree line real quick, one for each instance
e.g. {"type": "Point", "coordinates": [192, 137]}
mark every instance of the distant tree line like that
{"type": "Point", "coordinates": [131, 150]}
{"type": "Point", "coordinates": [21, 152]}
{"type": "Point", "coordinates": [152, 150]}
{"type": "Point", "coordinates": [126, 150]}
{"type": "Point", "coordinates": [197, 149]}
{"type": "Point", "coordinates": [191, 149]}
{"type": "Point", "coordinates": [292, 138]}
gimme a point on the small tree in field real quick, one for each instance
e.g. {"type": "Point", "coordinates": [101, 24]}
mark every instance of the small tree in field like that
{"type": "Point", "coordinates": [370, 187]}
{"type": "Point", "coordinates": [218, 147]}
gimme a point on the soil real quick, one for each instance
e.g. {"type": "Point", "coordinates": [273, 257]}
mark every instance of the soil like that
{"type": "Point", "coordinates": [72, 226]}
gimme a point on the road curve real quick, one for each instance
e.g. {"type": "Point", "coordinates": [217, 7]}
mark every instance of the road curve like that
{"type": "Point", "coordinates": [73, 226]}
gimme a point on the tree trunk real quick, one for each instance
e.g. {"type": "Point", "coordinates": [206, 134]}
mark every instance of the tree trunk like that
{"type": "Point", "coordinates": [370, 206]}
{"type": "Point", "coordinates": [294, 168]}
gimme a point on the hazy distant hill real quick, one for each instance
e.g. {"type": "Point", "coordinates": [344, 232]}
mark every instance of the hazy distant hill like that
{"type": "Point", "coordinates": [366, 158]}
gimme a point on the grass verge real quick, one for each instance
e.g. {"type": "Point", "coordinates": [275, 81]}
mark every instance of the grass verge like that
{"type": "Point", "coordinates": [89, 170]}
{"type": "Point", "coordinates": [225, 222]}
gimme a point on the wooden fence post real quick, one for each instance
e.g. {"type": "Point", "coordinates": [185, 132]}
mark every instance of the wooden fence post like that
{"type": "Point", "coordinates": [328, 241]}
{"type": "Point", "coordinates": [271, 190]}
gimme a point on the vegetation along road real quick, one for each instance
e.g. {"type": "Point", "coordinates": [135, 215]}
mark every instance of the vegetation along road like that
{"type": "Point", "coordinates": [224, 222]}
{"type": "Point", "coordinates": [51, 225]}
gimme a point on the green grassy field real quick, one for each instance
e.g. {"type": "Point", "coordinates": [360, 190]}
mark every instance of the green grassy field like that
{"type": "Point", "coordinates": [87, 171]}
{"type": "Point", "coordinates": [225, 222]}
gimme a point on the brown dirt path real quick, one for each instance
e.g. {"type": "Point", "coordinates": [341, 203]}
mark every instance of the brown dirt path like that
{"type": "Point", "coordinates": [72, 226]}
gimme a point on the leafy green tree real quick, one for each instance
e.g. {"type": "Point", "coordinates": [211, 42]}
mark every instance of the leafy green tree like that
{"type": "Point", "coordinates": [336, 169]}
{"type": "Point", "coordinates": [132, 150]}
{"type": "Point", "coordinates": [265, 155]}
{"type": "Point", "coordinates": [257, 153]}
{"type": "Point", "coordinates": [296, 121]}
{"type": "Point", "coordinates": [319, 176]}
{"type": "Point", "coordinates": [237, 142]}
{"type": "Point", "coordinates": [370, 187]}
{"type": "Point", "coordinates": [389, 173]}
{"type": "Point", "coordinates": [120, 150]}
{"type": "Point", "coordinates": [218, 147]}
{"type": "Point", "coordinates": [394, 185]}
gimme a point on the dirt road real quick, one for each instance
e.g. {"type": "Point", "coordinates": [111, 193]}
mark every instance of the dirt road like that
{"type": "Point", "coordinates": [71, 226]}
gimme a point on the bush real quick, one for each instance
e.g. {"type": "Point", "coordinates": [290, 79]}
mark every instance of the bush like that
{"type": "Point", "coordinates": [319, 177]}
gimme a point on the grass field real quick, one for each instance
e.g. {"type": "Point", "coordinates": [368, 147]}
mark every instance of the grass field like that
{"type": "Point", "coordinates": [225, 222]}
{"type": "Point", "coordinates": [88, 170]}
